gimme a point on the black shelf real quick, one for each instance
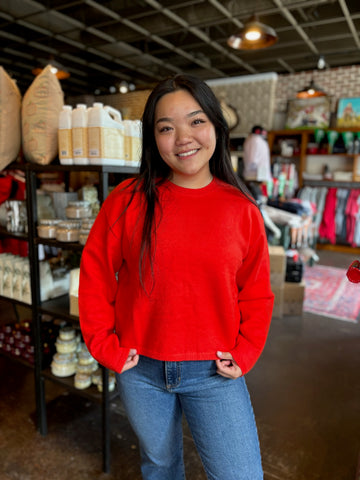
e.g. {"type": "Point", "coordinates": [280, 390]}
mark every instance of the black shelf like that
{"type": "Point", "coordinates": [56, 167]}
{"type": "Point", "coordinates": [91, 393]}
{"type": "Point", "coordinates": [53, 167]}
{"type": "Point", "coordinates": [55, 243]}
{"type": "Point", "coordinates": [15, 302]}
{"type": "Point", "coordinates": [16, 359]}
{"type": "Point", "coordinates": [16, 235]}
{"type": "Point", "coordinates": [59, 307]}
{"type": "Point", "coordinates": [331, 183]}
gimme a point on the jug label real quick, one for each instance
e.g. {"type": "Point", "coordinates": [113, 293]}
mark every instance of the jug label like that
{"type": "Point", "coordinates": [65, 143]}
{"type": "Point", "coordinates": [106, 143]}
{"type": "Point", "coordinates": [79, 137]}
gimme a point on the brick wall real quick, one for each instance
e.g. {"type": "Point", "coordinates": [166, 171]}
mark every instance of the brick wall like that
{"type": "Point", "coordinates": [336, 82]}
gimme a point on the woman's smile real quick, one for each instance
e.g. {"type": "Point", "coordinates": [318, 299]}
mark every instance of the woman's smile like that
{"type": "Point", "coordinates": [187, 154]}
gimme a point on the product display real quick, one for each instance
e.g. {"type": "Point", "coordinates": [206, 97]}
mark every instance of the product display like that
{"type": "Point", "coordinates": [64, 364]}
{"type": "Point", "coordinates": [65, 136]}
{"type": "Point", "coordinates": [67, 333]}
{"type": "Point", "coordinates": [98, 136]}
{"type": "Point", "coordinates": [83, 235]}
{"type": "Point", "coordinates": [88, 369]}
{"type": "Point", "coordinates": [79, 209]}
{"type": "Point", "coordinates": [47, 228]}
{"type": "Point", "coordinates": [84, 356]}
{"type": "Point", "coordinates": [86, 226]}
{"type": "Point", "coordinates": [106, 136]}
{"type": "Point", "coordinates": [66, 346]}
{"type": "Point", "coordinates": [68, 231]}
{"type": "Point", "coordinates": [97, 380]}
{"type": "Point", "coordinates": [16, 216]}
{"type": "Point", "coordinates": [79, 135]}
{"type": "Point", "coordinates": [82, 381]}
{"type": "Point", "coordinates": [14, 277]}
{"type": "Point", "coordinates": [16, 339]}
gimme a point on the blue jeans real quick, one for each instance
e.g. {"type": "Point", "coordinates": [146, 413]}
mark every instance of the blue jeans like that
{"type": "Point", "coordinates": [218, 411]}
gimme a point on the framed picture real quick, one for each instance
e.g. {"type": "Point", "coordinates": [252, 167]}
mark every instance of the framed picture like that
{"type": "Point", "coordinates": [348, 112]}
{"type": "Point", "coordinates": [308, 113]}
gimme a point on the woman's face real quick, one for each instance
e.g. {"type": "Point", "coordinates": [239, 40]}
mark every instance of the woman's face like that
{"type": "Point", "coordinates": [186, 139]}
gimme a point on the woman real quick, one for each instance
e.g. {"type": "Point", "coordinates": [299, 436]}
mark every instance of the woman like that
{"type": "Point", "coordinates": [174, 290]}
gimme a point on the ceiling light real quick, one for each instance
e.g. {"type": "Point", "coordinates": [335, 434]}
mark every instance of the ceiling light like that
{"type": "Point", "coordinates": [321, 63]}
{"type": "Point", "coordinates": [311, 91]}
{"type": "Point", "coordinates": [253, 36]}
{"type": "Point", "coordinates": [123, 87]}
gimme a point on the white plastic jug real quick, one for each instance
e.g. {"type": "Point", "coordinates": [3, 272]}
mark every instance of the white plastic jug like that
{"type": "Point", "coordinates": [80, 135]}
{"type": "Point", "coordinates": [127, 140]}
{"type": "Point", "coordinates": [65, 136]}
{"type": "Point", "coordinates": [106, 133]}
{"type": "Point", "coordinates": [132, 142]}
{"type": "Point", "coordinates": [136, 143]}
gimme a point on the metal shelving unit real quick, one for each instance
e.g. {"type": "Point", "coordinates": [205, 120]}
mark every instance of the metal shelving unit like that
{"type": "Point", "coordinates": [59, 307]}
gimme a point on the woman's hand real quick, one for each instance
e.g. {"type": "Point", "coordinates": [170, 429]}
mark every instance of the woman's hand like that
{"type": "Point", "coordinates": [131, 361]}
{"type": "Point", "coordinates": [226, 366]}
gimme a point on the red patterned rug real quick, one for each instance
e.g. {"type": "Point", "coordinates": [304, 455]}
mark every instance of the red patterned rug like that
{"type": "Point", "coordinates": [329, 293]}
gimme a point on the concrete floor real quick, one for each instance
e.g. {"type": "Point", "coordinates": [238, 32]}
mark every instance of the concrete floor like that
{"type": "Point", "coordinates": [305, 391]}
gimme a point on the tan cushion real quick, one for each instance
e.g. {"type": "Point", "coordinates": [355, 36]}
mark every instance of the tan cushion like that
{"type": "Point", "coordinates": [41, 107]}
{"type": "Point", "coordinates": [10, 119]}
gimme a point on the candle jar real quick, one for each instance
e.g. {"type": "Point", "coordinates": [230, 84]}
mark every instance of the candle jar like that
{"type": "Point", "coordinates": [47, 228]}
{"type": "Point", "coordinates": [79, 209]}
{"type": "Point", "coordinates": [68, 231]}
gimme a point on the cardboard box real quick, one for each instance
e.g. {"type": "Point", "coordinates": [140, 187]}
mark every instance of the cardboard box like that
{"type": "Point", "coordinates": [277, 265]}
{"type": "Point", "coordinates": [293, 298]}
{"type": "Point", "coordinates": [278, 310]}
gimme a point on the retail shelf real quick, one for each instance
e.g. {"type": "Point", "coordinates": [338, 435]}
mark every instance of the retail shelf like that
{"type": "Point", "coordinates": [331, 183]}
{"type": "Point", "coordinates": [58, 307]}
{"type": "Point", "coordinates": [14, 301]}
{"type": "Point", "coordinates": [54, 167]}
{"type": "Point", "coordinates": [58, 167]}
{"type": "Point", "coordinates": [92, 393]}
{"type": "Point", "coordinates": [17, 235]}
{"type": "Point", "coordinates": [74, 246]}
{"type": "Point", "coordinates": [338, 248]}
{"type": "Point", "coordinates": [331, 154]}
{"type": "Point", "coordinates": [16, 359]}
{"type": "Point", "coordinates": [16, 166]}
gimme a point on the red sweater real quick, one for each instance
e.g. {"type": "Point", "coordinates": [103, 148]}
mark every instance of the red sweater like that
{"type": "Point", "coordinates": [210, 288]}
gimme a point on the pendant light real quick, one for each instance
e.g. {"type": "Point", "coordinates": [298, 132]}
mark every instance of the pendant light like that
{"type": "Point", "coordinates": [253, 36]}
{"type": "Point", "coordinates": [56, 68]}
{"type": "Point", "coordinates": [311, 91]}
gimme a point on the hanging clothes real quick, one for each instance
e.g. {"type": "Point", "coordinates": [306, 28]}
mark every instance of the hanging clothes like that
{"type": "Point", "coordinates": [342, 198]}
{"type": "Point", "coordinates": [356, 239]}
{"type": "Point", "coordinates": [351, 211]}
{"type": "Point", "coordinates": [327, 228]}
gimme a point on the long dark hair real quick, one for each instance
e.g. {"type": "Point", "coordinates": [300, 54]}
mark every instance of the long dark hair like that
{"type": "Point", "coordinates": [154, 171]}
